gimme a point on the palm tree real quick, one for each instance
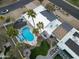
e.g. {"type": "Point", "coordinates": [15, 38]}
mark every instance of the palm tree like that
{"type": "Point", "coordinates": [12, 32]}
{"type": "Point", "coordinates": [41, 1]}
{"type": "Point", "coordinates": [35, 31]}
{"type": "Point", "coordinates": [32, 14]}
{"type": "Point", "coordinates": [40, 25]}
{"type": "Point", "coordinates": [18, 45]}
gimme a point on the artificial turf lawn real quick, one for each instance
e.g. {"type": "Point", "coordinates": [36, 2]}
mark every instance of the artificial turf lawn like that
{"type": "Point", "coordinates": [42, 50]}
{"type": "Point", "coordinates": [58, 57]}
{"type": "Point", "coordinates": [75, 2]}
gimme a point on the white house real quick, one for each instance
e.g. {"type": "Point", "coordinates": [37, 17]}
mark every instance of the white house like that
{"type": "Point", "coordinates": [49, 20]}
{"type": "Point", "coordinates": [70, 43]}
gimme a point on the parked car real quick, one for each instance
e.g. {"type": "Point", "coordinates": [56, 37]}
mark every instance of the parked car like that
{"type": "Point", "coordinates": [4, 11]}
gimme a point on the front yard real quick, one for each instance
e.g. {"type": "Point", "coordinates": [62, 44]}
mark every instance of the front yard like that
{"type": "Point", "coordinates": [42, 50]}
{"type": "Point", "coordinates": [75, 2]}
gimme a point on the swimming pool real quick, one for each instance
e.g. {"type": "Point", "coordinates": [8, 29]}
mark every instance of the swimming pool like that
{"type": "Point", "coordinates": [26, 34]}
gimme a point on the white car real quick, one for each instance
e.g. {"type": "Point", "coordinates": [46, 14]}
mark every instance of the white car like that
{"type": "Point", "coordinates": [4, 11]}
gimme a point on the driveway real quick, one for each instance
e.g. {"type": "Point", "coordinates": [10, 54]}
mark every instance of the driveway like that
{"type": "Point", "coordinates": [71, 10]}
{"type": "Point", "coordinates": [15, 5]}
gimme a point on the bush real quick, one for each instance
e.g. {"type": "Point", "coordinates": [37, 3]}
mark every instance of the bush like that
{"type": "Point", "coordinates": [41, 50]}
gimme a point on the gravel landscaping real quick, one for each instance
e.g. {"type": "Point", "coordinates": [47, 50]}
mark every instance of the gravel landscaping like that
{"type": "Point", "coordinates": [75, 2]}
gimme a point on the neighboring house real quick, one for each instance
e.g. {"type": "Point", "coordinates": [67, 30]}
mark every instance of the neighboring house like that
{"type": "Point", "coordinates": [62, 30]}
{"type": "Point", "coordinates": [70, 43]}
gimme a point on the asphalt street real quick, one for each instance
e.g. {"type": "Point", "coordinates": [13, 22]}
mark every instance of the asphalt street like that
{"type": "Point", "coordinates": [15, 5]}
{"type": "Point", "coordinates": [68, 8]}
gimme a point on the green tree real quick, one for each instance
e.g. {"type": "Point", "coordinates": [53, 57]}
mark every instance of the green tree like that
{"type": "Point", "coordinates": [41, 1]}
{"type": "Point", "coordinates": [12, 32]}
{"type": "Point", "coordinates": [19, 45]}
{"type": "Point", "coordinates": [50, 7]}
{"type": "Point", "coordinates": [32, 14]}
{"type": "Point", "coordinates": [35, 31]}
{"type": "Point", "coordinates": [2, 17]}
{"type": "Point", "coordinates": [40, 25]}
{"type": "Point", "coordinates": [8, 19]}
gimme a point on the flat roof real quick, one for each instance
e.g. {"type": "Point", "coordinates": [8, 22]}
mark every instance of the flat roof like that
{"type": "Point", "coordinates": [39, 18]}
{"type": "Point", "coordinates": [73, 46]}
{"type": "Point", "coordinates": [52, 26]}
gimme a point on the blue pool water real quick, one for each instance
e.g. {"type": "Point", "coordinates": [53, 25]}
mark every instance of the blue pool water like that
{"type": "Point", "coordinates": [26, 34]}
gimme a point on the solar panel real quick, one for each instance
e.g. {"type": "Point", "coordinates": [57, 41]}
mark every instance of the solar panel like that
{"type": "Point", "coordinates": [73, 46]}
{"type": "Point", "coordinates": [76, 34]}
{"type": "Point", "coordinates": [50, 16]}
